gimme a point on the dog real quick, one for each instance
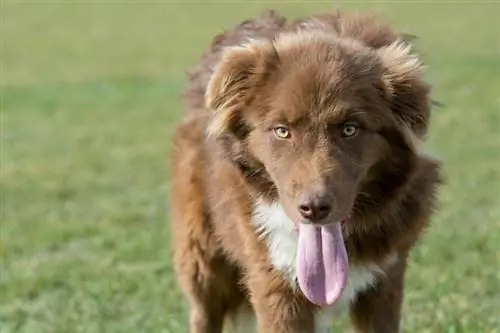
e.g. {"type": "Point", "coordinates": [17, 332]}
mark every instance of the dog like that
{"type": "Point", "coordinates": [299, 181]}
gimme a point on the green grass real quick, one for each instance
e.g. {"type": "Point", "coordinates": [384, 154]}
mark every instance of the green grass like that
{"type": "Point", "coordinates": [90, 96]}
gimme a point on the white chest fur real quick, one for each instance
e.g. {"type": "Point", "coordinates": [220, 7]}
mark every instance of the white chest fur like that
{"type": "Point", "coordinates": [276, 227]}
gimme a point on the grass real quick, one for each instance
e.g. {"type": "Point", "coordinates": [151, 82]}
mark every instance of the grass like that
{"type": "Point", "coordinates": [90, 96]}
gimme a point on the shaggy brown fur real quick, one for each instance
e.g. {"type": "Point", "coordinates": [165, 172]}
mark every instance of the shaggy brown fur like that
{"type": "Point", "coordinates": [268, 109]}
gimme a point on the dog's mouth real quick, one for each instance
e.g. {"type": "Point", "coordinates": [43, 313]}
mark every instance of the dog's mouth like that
{"type": "Point", "coordinates": [343, 222]}
{"type": "Point", "coordinates": [322, 264]}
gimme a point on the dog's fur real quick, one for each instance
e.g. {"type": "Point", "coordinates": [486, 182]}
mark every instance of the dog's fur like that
{"type": "Point", "coordinates": [235, 184]}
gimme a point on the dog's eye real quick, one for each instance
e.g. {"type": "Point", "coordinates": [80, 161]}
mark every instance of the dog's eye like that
{"type": "Point", "coordinates": [281, 132]}
{"type": "Point", "coordinates": [349, 130]}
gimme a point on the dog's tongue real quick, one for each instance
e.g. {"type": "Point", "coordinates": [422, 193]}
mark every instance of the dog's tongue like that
{"type": "Point", "coordinates": [322, 266]}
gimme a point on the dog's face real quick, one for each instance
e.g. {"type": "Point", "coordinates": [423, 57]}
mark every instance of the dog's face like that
{"type": "Point", "coordinates": [314, 119]}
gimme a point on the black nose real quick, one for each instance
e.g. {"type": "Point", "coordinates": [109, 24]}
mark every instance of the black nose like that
{"type": "Point", "coordinates": [315, 207]}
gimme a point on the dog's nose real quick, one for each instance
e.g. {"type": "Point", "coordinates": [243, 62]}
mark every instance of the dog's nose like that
{"type": "Point", "coordinates": [314, 207]}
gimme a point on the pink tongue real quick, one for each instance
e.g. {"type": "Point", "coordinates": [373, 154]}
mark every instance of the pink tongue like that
{"type": "Point", "coordinates": [322, 266]}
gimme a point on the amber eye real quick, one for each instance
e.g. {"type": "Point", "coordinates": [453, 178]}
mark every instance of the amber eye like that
{"type": "Point", "coordinates": [349, 130]}
{"type": "Point", "coordinates": [281, 132]}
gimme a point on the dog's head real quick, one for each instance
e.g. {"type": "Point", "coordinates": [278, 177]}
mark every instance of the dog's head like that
{"type": "Point", "coordinates": [313, 120]}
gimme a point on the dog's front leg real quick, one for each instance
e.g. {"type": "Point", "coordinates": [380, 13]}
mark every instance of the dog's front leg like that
{"type": "Point", "coordinates": [378, 310]}
{"type": "Point", "coordinates": [278, 307]}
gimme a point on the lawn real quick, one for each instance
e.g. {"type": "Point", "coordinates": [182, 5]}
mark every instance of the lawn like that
{"type": "Point", "coordinates": [89, 99]}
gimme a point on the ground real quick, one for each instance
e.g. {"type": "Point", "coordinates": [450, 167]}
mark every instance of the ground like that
{"type": "Point", "coordinates": [89, 98]}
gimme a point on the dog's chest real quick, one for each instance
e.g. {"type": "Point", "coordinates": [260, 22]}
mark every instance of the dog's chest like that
{"type": "Point", "coordinates": [276, 228]}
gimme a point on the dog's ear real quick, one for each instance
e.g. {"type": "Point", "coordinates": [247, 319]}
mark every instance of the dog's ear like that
{"type": "Point", "coordinates": [404, 87]}
{"type": "Point", "coordinates": [241, 71]}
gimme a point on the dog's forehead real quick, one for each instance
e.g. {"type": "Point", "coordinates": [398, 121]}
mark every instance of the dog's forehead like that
{"type": "Point", "coordinates": [321, 75]}
{"type": "Point", "coordinates": [322, 90]}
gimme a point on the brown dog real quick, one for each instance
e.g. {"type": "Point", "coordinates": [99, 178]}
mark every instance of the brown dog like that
{"type": "Point", "coordinates": [299, 184]}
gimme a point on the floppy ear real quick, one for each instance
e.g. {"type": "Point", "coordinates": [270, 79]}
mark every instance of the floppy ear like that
{"type": "Point", "coordinates": [241, 71]}
{"type": "Point", "coordinates": [407, 92]}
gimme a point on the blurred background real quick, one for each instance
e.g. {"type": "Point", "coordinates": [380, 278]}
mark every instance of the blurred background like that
{"type": "Point", "coordinates": [90, 97]}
